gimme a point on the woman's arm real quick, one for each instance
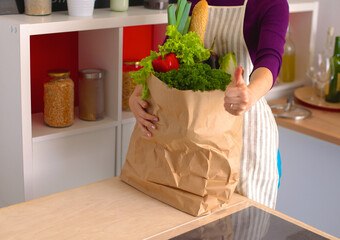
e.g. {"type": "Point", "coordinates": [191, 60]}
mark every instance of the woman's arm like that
{"type": "Point", "coordinates": [265, 28]}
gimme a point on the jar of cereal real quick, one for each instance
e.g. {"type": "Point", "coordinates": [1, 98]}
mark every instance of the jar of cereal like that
{"type": "Point", "coordinates": [91, 94]}
{"type": "Point", "coordinates": [59, 99]}
{"type": "Point", "coordinates": [128, 85]}
{"type": "Point", "coordinates": [38, 7]}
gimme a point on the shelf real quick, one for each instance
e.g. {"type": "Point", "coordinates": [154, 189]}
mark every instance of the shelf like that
{"type": "Point", "coordinates": [102, 18]}
{"type": "Point", "coordinates": [297, 6]}
{"type": "Point", "coordinates": [41, 132]}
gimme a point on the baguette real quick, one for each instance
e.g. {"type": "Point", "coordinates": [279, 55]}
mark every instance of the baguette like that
{"type": "Point", "coordinates": [199, 19]}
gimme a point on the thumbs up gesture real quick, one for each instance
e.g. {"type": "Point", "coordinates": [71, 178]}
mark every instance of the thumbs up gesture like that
{"type": "Point", "coordinates": [237, 98]}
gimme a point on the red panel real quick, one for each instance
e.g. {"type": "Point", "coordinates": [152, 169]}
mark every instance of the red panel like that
{"type": "Point", "coordinates": [52, 51]}
{"type": "Point", "coordinates": [158, 34]}
{"type": "Point", "coordinates": [137, 42]}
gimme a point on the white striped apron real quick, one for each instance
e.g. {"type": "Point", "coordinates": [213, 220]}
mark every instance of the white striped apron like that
{"type": "Point", "coordinates": [258, 168]}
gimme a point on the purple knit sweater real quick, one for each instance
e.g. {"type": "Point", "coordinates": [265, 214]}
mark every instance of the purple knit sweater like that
{"type": "Point", "coordinates": [265, 25]}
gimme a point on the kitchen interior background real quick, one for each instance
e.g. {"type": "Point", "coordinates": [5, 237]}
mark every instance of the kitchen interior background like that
{"type": "Point", "coordinates": [328, 16]}
{"type": "Point", "coordinates": [148, 38]}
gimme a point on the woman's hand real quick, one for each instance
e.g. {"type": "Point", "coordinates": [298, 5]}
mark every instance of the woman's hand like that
{"type": "Point", "coordinates": [138, 106]}
{"type": "Point", "coordinates": [238, 97]}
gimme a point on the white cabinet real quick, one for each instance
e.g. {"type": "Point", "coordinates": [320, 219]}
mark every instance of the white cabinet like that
{"type": "Point", "coordinates": [127, 129]}
{"type": "Point", "coordinates": [36, 160]}
{"type": "Point", "coordinates": [74, 160]}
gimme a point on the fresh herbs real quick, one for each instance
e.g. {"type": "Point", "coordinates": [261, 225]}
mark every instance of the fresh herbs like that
{"type": "Point", "coordinates": [197, 77]}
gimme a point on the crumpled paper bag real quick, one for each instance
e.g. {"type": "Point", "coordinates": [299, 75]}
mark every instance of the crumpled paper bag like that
{"type": "Point", "coordinates": [192, 160]}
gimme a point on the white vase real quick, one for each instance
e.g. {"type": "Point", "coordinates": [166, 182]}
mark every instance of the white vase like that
{"type": "Point", "coordinates": [80, 8]}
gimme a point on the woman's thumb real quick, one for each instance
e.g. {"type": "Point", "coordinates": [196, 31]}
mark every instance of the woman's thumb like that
{"type": "Point", "coordinates": [238, 76]}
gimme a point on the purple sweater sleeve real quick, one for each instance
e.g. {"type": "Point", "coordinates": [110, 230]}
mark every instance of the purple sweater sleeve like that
{"type": "Point", "coordinates": [265, 25]}
{"type": "Point", "coordinates": [265, 28]}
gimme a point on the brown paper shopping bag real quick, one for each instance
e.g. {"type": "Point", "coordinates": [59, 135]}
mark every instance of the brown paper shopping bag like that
{"type": "Point", "coordinates": [192, 160]}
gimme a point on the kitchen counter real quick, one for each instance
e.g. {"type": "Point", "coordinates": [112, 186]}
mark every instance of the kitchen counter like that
{"type": "Point", "coordinates": [109, 209]}
{"type": "Point", "coordinates": [322, 124]}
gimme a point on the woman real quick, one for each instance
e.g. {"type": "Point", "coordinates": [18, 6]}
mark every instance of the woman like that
{"type": "Point", "coordinates": [255, 31]}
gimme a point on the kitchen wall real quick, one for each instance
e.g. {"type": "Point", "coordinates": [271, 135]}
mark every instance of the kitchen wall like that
{"type": "Point", "coordinates": [328, 16]}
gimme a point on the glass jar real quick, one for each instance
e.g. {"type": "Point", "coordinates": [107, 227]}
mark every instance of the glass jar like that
{"type": "Point", "coordinates": [38, 7]}
{"type": "Point", "coordinates": [128, 84]}
{"type": "Point", "coordinates": [91, 94]}
{"type": "Point", "coordinates": [59, 99]}
{"type": "Point", "coordinates": [119, 5]}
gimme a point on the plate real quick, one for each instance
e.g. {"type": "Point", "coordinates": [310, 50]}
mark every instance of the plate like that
{"type": "Point", "coordinates": [305, 95]}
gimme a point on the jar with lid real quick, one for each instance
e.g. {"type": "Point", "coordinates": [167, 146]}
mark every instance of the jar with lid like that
{"type": "Point", "coordinates": [128, 85]}
{"type": "Point", "coordinates": [38, 7]}
{"type": "Point", "coordinates": [91, 94]}
{"type": "Point", "coordinates": [59, 99]}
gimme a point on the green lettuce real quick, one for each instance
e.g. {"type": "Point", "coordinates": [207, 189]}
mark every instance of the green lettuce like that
{"type": "Point", "coordinates": [144, 73]}
{"type": "Point", "coordinates": [188, 47]}
{"type": "Point", "coordinates": [228, 63]}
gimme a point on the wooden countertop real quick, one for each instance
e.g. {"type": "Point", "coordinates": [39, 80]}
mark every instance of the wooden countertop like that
{"type": "Point", "coordinates": [323, 124]}
{"type": "Point", "coordinates": [108, 209]}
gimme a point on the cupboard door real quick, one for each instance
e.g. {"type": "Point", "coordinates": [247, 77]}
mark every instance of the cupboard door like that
{"type": "Point", "coordinates": [72, 161]}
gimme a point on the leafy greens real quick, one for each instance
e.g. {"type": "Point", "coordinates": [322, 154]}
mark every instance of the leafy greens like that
{"type": "Point", "coordinates": [197, 77]}
{"type": "Point", "coordinates": [190, 52]}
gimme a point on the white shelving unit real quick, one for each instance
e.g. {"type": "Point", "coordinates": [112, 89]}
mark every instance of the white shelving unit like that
{"type": "Point", "coordinates": [36, 160]}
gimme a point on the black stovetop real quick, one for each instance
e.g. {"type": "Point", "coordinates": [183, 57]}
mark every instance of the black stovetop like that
{"type": "Point", "coordinates": [251, 223]}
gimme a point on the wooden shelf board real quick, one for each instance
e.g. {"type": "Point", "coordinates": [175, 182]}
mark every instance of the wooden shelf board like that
{"type": "Point", "coordinates": [102, 18]}
{"type": "Point", "coordinates": [41, 132]}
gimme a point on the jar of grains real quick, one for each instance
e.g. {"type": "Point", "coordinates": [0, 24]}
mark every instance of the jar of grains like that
{"type": "Point", "coordinates": [38, 7]}
{"type": "Point", "coordinates": [91, 94]}
{"type": "Point", "coordinates": [59, 99]}
{"type": "Point", "coordinates": [128, 85]}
